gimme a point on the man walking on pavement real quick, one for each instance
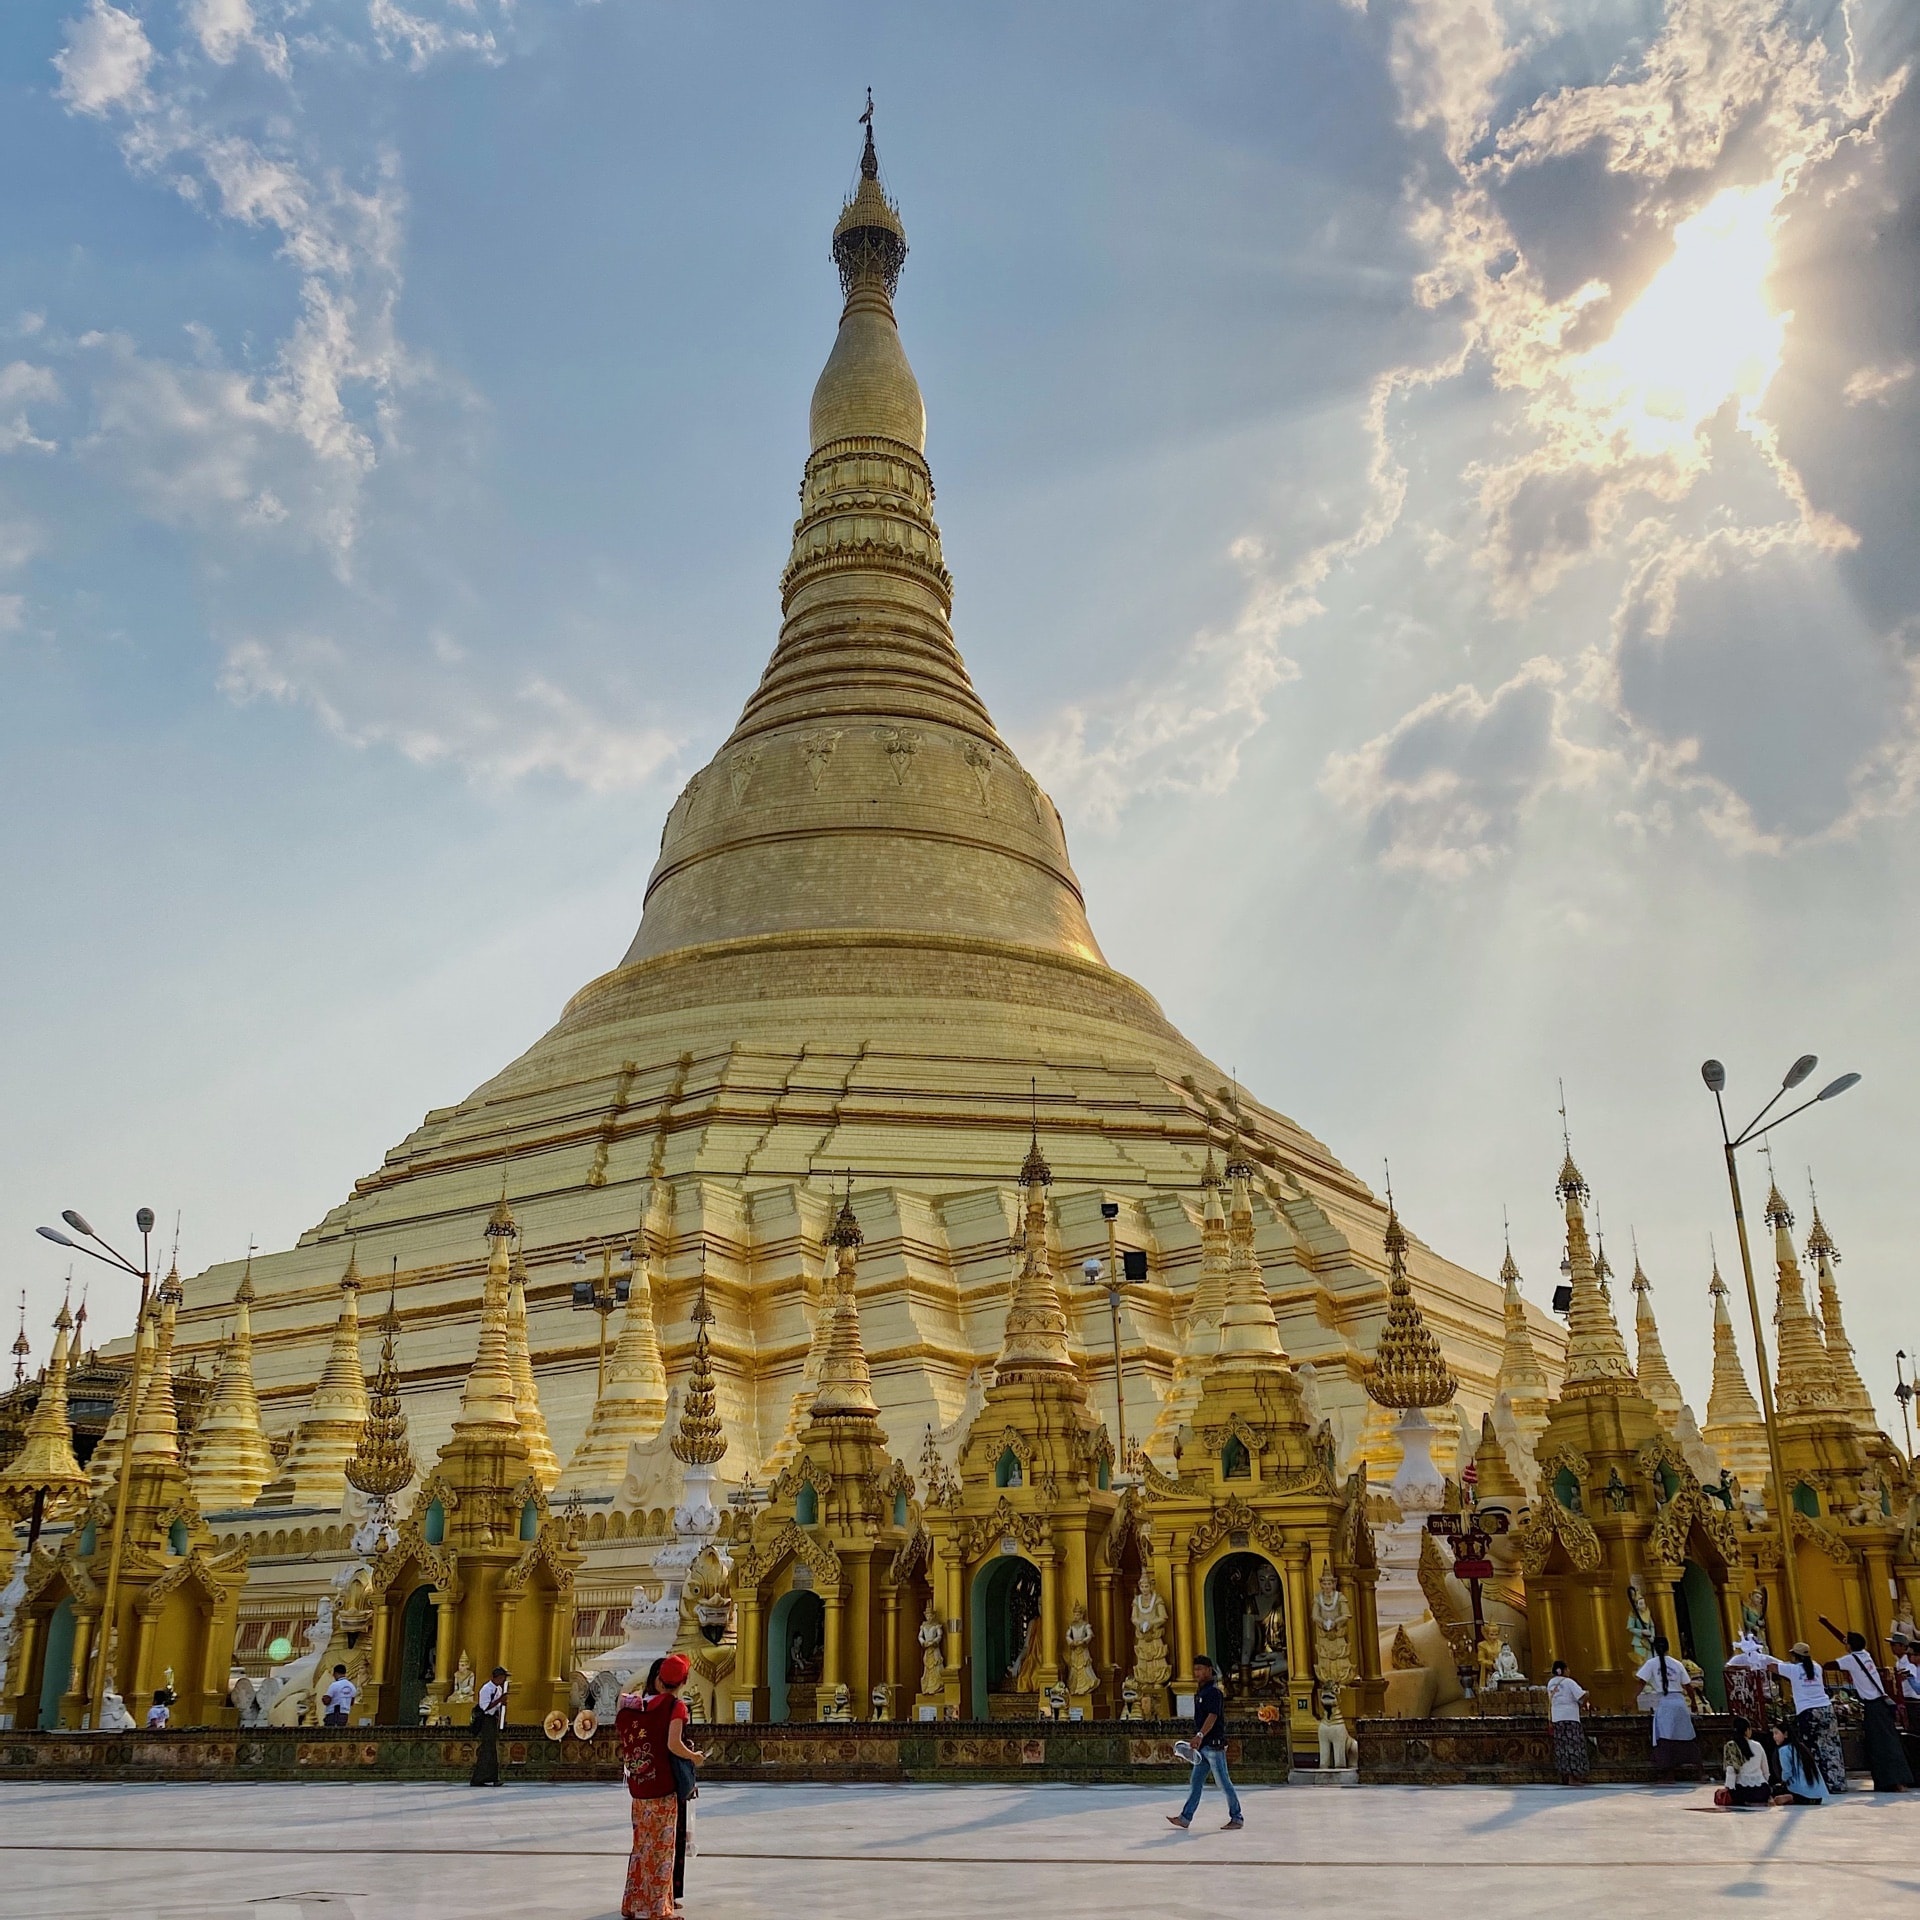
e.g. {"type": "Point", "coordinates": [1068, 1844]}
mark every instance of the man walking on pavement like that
{"type": "Point", "coordinates": [1209, 1747]}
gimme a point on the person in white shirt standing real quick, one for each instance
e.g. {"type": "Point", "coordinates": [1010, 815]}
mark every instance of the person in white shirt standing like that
{"type": "Point", "coordinates": [1906, 1689]}
{"type": "Point", "coordinates": [339, 1697]}
{"type": "Point", "coordinates": [1565, 1696]}
{"type": "Point", "coordinates": [489, 1716]}
{"type": "Point", "coordinates": [1813, 1714]}
{"type": "Point", "coordinates": [1881, 1737]}
{"type": "Point", "coordinates": [161, 1712]}
{"type": "Point", "coordinates": [1675, 1744]}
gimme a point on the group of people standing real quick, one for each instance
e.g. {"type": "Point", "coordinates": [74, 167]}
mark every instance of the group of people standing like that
{"type": "Point", "coordinates": [1771, 1759]}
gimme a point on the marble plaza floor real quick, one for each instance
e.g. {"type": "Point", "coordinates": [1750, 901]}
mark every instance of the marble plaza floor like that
{"type": "Point", "coordinates": [433, 1852]}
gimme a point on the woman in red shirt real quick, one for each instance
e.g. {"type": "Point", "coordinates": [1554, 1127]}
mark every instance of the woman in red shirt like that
{"type": "Point", "coordinates": [652, 1735]}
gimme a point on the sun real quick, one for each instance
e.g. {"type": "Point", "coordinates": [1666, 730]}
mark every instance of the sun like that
{"type": "Point", "coordinates": [1702, 332]}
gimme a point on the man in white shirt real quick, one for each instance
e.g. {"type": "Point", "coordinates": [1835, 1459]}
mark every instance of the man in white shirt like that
{"type": "Point", "coordinates": [339, 1698]}
{"type": "Point", "coordinates": [1885, 1759]}
{"type": "Point", "coordinates": [489, 1716]}
{"type": "Point", "coordinates": [160, 1712]}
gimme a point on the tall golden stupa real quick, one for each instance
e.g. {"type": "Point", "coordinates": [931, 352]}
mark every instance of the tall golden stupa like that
{"type": "Point", "coordinates": [863, 956]}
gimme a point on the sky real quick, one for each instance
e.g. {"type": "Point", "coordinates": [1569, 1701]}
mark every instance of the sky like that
{"type": "Point", "coordinates": [1431, 488]}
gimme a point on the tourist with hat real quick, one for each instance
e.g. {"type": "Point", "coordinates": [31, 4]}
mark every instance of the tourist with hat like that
{"type": "Point", "coordinates": [652, 1733]}
{"type": "Point", "coordinates": [1813, 1718]}
{"type": "Point", "coordinates": [1885, 1761]}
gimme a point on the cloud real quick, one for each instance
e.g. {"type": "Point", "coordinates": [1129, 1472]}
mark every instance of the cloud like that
{"type": "Point", "coordinates": [538, 729]}
{"type": "Point", "coordinates": [419, 39]}
{"type": "Point", "coordinates": [1445, 789]}
{"type": "Point", "coordinates": [1876, 384]}
{"type": "Point", "coordinates": [105, 61]}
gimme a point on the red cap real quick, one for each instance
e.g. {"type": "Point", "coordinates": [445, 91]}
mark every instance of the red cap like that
{"type": "Point", "coordinates": [674, 1670]}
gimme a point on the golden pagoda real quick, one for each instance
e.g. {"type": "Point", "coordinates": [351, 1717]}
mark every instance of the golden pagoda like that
{"type": "Point", "coordinates": [231, 1459]}
{"type": "Point", "coordinates": [315, 1475]}
{"type": "Point", "coordinates": [1622, 1540]}
{"type": "Point", "coordinates": [1522, 1381]}
{"type": "Point", "coordinates": [631, 1405]}
{"type": "Point", "coordinates": [44, 1477]}
{"type": "Point", "coordinates": [813, 1586]}
{"type": "Point", "coordinates": [1849, 1388]}
{"type": "Point", "coordinates": [178, 1595]}
{"type": "Point", "coordinates": [862, 945]}
{"type": "Point", "coordinates": [481, 1566]}
{"type": "Point", "coordinates": [1734, 1429]}
{"type": "Point", "coordinates": [526, 1392]}
{"type": "Point", "coordinates": [1650, 1357]}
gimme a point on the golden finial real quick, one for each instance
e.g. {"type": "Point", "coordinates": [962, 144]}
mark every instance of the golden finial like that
{"type": "Point", "coordinates": [845, 1231]}
{"type": "Point", "coordinates": [1570, 1184]}
{"type": "Point", "coordinates": [1407, 1368]}
{"type": "Point", "coordinates": [1034, 1171]}
{"type": "Point", "coordinates": [243, 1294]}
{"type": "Point", "coordinates": [500, 1223]}
{"type": "Point", "coordinates": [1819, 1240]}
{"type": "Point", "coordinates": [382, 1462]}
{"type": "Point", "coordinates": [869, 243]}
{"type": "Point", "coordinates": [699, 1440]}
{"type": "Point", "coordinates": [22, 1346]}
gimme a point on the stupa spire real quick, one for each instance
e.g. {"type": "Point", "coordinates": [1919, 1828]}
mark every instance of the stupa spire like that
{"type": "Point", "coordinates": [156, 1434]}
{"type": "Point", "coordinates": [898, 806]}
{"type": "Point", "coordinates": [1650, 1367]}
{"type": "Point", "coordinates": [1248, 1329]}
{"type": "Point", "coordinates": [1734, 1429]}
{"type": "Point", "coordinates": [1210, 1288]}
{"type": "Point", "coordinates": [46, 1462]}
{"type": "Point", "coordinates": [1596, 1355]}
{"type": "Point", "coordinates": [1036, 1336]}
{"type": "Point", "coordinates": [846, 1385]}
{"type": "Point", "coordinates": [1850, 1390]}
{"type": "Point", "coordinates": [526, 1391]}
{"type": "Point", "coordinates": [632, 1404]}
{"type": "Point", "coordinates": [1803, 1381]}
{"type": "Point", "coordinates": [316, 1471]}
{"type": "Point", "coordinates": [231, 1459]}
{"type": "Point", "coordinates": [1407, 1368]}
{"type": "Point", "coordinates": [488, 1400]}
{"type": "Point", "coordinates": [1521, 1377]}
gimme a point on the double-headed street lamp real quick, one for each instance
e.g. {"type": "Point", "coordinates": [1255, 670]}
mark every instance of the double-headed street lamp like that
{"type": "Point", "coordinates": [1715, 1075]}
{"type": "Point", "coordinates": [112, 1257]}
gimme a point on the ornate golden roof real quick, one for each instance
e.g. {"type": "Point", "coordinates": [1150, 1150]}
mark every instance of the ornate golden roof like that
{"type": "Point", "coordinates": [698, 1440]}
{"type": "Point", "coordinates": [46, 1462]}
{"type": "Point", "coordinates": [382, 1464]}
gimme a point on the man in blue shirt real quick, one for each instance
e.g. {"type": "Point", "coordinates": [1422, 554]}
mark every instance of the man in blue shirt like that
{"type": "Point", "coordinates": [1210, 1747]}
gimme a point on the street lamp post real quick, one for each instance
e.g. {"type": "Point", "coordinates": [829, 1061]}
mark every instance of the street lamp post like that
{"type": "Point", "coordinates": [1113, 1274]}
{"type": "Point", "coordinates": [1903, 1392]}
{"type": "Point", "coordinates": [602, 1296]}
{"type": "Point", "coordinates": [112, 1257]}
{"type": "Point", "coordinates": [1715, 1076]}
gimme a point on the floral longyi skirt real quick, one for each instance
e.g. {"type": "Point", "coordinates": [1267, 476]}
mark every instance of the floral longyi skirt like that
{"type": "Point", "coordinates": [649, 1890]}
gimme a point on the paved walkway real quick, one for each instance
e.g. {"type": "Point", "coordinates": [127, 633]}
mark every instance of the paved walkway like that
{"type": "Point", "coordinates": [434, 1852]}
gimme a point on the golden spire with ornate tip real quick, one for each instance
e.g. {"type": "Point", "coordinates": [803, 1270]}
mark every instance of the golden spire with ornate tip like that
{"type": "Point", "coordinates": [1495, 1482]}
{"type": "Point", "coordinates": [156, 1434]}
{"type": "Point", "coordinates": [1035, 1340]}
{"type": "Point", "coordinates": [22, 1346]}
{"type": "Point", "coordinates": [1596, 1355]}
{"type": "Point", "coordinates": [1734, 1429]}
{"type": "Point", "coordinates": [316, 1471]}
{"type": "Point", "coordinates": [1407, 1368]}
{"type": "Point", "coordinates": [1803, 1379]}
{"type": "Point", "coordinates": [1849, 1388]}
{"type": "Point", "coordinates": [1210, 1288]}
{"type": "Point", "coordinates": [631, 1406]}
{"type": "Point", "coordinates": [488, 1400]}
{"type": "Point", "coordinates": [231, 1459]}
{"type": "Point", "coordinates": [699, 1440]}
{"type": "Point", "coordinates": [846, 1383]}
{"type": "Point", "coordinates": [526, 1391]}
{"type": "Point", "coordinates": [383, 1464]}
{"type": "Point", "coordinates": [1521, 1377]}
{"type": "Point", "coordinates": [1650, 1363]}
{"type": "Point", "coordinates": [1249, 1332]}
{"type": "Point", "coordinates": [46, 1463]}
